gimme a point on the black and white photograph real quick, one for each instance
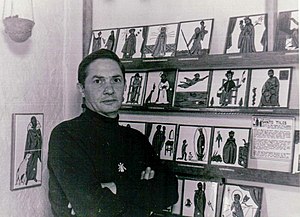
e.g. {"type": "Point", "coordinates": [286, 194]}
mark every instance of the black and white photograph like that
{"type": "Point", "coordinates": [193, 144]}
{"type": "Point", "coordinates": [270, 88]}
{"type": "Point", "coordinates": [230, 147]}
{"type": "Point", "coordinates": [27, 144]}
{"type": "Point", "coordinates": [194, 37]}
{"type": "Point", "coordinates": [228, 88]}
{"type": "Point", "coordinates": [191, 89]}
{"type": "Point", "coordinates": [135, 88]}
{"type": "Point", "coordinates": [247, 34]}
{"type": "Point", "coordinates": [200, 198]}
{"type": "Point", "coordinates": [240, 200]}
{"type": "Point", "coordinates": [149, 108]}
{"type": "Point", "coordinates": [162, 138]}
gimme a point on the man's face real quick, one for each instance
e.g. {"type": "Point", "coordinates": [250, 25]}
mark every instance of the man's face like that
{"type": "Point", "coordinates": [104, 87]}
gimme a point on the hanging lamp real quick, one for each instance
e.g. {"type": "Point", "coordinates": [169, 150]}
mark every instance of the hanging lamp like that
{"type": "Point", "coordinates": [18, 19]}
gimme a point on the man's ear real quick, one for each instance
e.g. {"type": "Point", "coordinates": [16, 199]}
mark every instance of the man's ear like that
{"type": "Point", "coordinates": [81, 89]}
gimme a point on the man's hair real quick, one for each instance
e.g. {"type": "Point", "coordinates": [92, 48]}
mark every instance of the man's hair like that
{"type": "Point", "coordinates": [99, 54]}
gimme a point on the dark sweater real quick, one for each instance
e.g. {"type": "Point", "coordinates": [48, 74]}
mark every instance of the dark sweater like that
{"type": "Point", "coordinates": [86, 151]}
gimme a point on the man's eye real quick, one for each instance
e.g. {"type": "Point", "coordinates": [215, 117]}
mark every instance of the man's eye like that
{"type": "Point", "coordinates": [98, 81]}
{"type": "Point", "coordinates": [117, 80]}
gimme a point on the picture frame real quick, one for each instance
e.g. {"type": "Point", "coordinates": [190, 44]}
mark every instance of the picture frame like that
{"type": "Point", "coordinates": [135, 88]}
{"type": "Point", "coordinates": [131, 42]}
{"type": "Point", "coordinates": [192, 89]}
{"type": "Point", "coordinates": [193, 144]}
{"type": "Point", "coordinates": [162, 136]}
{"type": "Point", "coordinates": [161, 41]}
{"type": "Point", "coordinates": [286, 38]}
{"type": "Point", "coordinates": [247, 34]}
{"type": "Point", "coordinates": [270, 89]}
{"type": "Point", "coordinates": [199, 198]}
{"type": "Point", "coordinates": [104, 38]}
{"type": "Point", "coordinates": [197, 31]}
{"type": "Point", "coordinates": [229, 88]}
{"type": "Point", "coordinates": [26, 153]}
{"type": "Point", "coordinates": [160, 88]}
{"type": "Point", "coordinates": [230, 147]}
{"type": "Point", "coordinates": [241, 200]}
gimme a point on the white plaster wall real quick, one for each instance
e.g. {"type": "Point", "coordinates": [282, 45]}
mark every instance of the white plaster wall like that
{"type": "Point", "coordinates": [33, 78]}
{"type": "Point", "coordinates": [278, 201]}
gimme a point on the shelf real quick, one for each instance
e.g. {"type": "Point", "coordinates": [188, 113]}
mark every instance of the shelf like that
{"type": "Point", "coordinates": [211, 172]}
{"type": "Point", "coordinates": [213, 111]}
{"type": "Point", "coordinates": [216, 61]}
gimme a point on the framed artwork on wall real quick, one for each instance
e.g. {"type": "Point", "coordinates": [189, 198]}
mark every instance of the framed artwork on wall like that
{"type": "Point", "coordinates": [135, 88]}
{"type": "Point", "coordinates": [193, 144]}
{"type": "Point", "coordinates": [161, 41]}
{"type": "Point", "coordinates": [191, 90]}
{"type": "Point", "coordinates": [270, 88]}
{"type": "Point", "coordinates": [199, 198]}
{"type": "Point", "coordinates": [229, 88]}
{"type": "Point", "coordinates": [247, 34]}
{"type": "Point", "coordinates": [230, 147]}
{"type": "Point", "coordinates": [160, 88]}
{"type": "Point", "coordinates": [287, 31]}
{"type": "Point", "coordinates": [162, 138]}
{"type": "Point", "coordinates": [104, 38]}
{"type": "Point", "coordinates": [131, 42]}
{"type": "Point", "coordinates": [241, 200]}
{"type": "Point", "coordinates": [27, 143]}
{"type": "Point", "coordinates": [194, 38]}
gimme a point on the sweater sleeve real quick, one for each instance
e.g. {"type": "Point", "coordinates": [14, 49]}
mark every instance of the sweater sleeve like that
{"type": "Point", "coordinates": [71, 169]}
{"type": "Point", "coordinates": [154, 194]}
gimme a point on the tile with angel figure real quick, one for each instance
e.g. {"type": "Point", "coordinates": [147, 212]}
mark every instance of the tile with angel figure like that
{"type": "Point", "coordinates": [131, 42]}
{"type": "Point", "coordinates": [160, 88]}
{"type": "Point", "coordinates": [103, 38]}
{"type": "Point", "coordinates": [229, 88]}
{"type": "Point", "coordinates": [162, 138]}
{"type": "Point", "coordinates": [247, 34]}
{"type": "Point", "coordinates": [140, 126]}
{"type": "Point", "coordinates": [270, 88]}
{"type": "Point", "coordinates": [193, 144]}
{"type": "Point", "coordinates": [135, 88]}
{"type": "Point", "coordinates": [199, 198]}
{"type": "Point", "coordinates": [191, 89]}
{"type": "Point", "coordinates": [161, 41]}
{"type": "Point", "coordinates": [194, 38]}
{"type": "Point", "coordinates": [230, 147]}
{"type": "Point", "coordinates": [241, 200]}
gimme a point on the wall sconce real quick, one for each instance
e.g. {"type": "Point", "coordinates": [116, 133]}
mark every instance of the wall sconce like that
{"type": "Point", "coordinates": [18, 19]}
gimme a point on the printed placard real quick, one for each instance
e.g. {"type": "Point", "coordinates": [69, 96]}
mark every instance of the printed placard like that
{"type": "Point", "coordinates": [272, 138]}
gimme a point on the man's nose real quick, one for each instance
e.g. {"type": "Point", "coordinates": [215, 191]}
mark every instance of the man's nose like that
{"type": "Point", "coordinates": [109, 89]}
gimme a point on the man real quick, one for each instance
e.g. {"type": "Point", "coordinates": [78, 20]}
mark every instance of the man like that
{"type": "Point", "coordinates": [96, 166]}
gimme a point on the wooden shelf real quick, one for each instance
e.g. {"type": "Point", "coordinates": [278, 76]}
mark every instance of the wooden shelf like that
{"type": "Point", "coordinates": [216, 61]}
{"type": "Point", "coordinates": [211, 172]}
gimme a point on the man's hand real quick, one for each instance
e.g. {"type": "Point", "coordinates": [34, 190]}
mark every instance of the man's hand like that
{"type": "Point", "coordinates": [147, 174]}
{"type": "Point", "coordinates": [111, 186]}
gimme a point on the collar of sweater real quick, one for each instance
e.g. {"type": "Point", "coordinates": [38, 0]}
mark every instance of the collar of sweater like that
{"type": "Point", "coordinates": [100, 118]}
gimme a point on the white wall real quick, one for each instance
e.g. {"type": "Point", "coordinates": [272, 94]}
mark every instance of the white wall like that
{"type": "Point", "coordinates": [33, 79]}
{"type": "Point", "coordinates": [278, 201]}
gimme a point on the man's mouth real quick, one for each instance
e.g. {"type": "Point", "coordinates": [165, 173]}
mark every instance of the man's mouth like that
{"type": "Point", "coordinates": [109, 101]}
